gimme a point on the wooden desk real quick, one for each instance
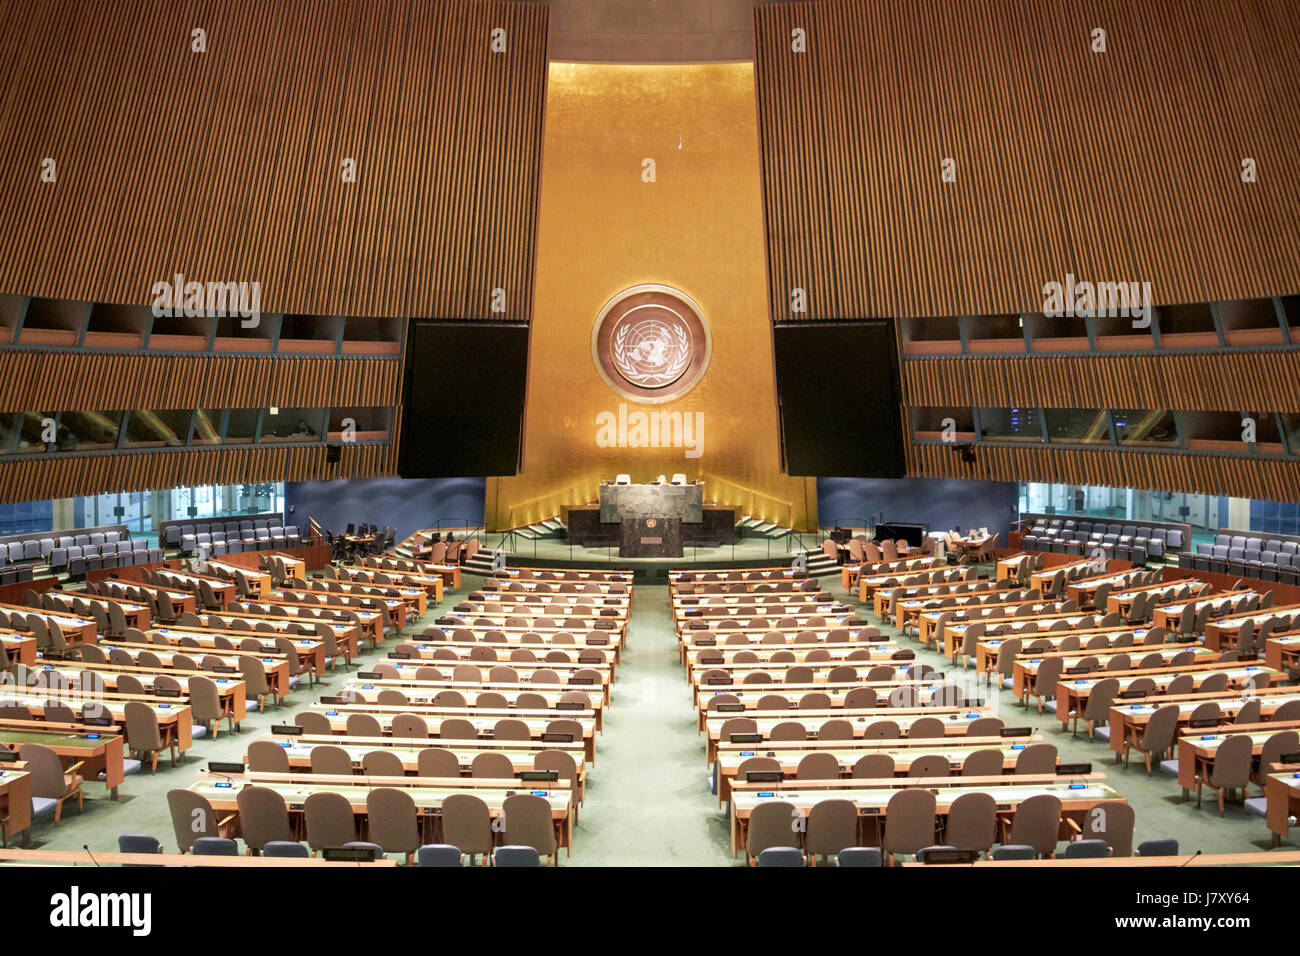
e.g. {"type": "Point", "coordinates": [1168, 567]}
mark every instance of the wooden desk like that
{"type": "Point", "coordinates": [1121, 601]}
{"type": "Point", "coordinates": [1282, 793]}
{"type": "Point", "coordinates": [20, 646]}
{"type": "Point", "coordinates": [452, 651]}
{"type": "Point", "coordinates": [469, 635]}
{"type": "Point", "coordinates": [450, 573]}
{"type": "Point", "coordinates": [526, 670]}
{"type": "Point", "coordinates": [948, 639]}
{"type": "Point", "coordinates": [275, 665]}
{"type": "Point", "coordinates": [1197, 749]}
{"type": "Point", "coordinates": [1222, 634]}
{"type": "Point", "coordinates": [522, 754]}
{"type": "Point", "coordinates": [956, 720]}
{"type": "Point", "coordinates": [498, 622]}
{"type": "Point", "coordinates": [1025, 668]}
{"type": "Point", "coordinates": [885, 690]}
{"type": "Point", "coordinates": [879, 651]}
{"type": "Point", "coordinates": [349, 634]}
{"type": "Point", "coordinates": [597, 575]}
{"type": "Point", "coordinates": [951, 635]}
{"type": "Point", "coordinates": [259, 582]}
{"type": "Point", "coordinates": [311, 652]}
{"type": "Point", "coordinates": [1168, 615]}
{"type": "Point", "coordinates": [423, 692]}
{"type": "Point", "coordinates": [223, 591]}
{"type": "Point", "coordinates": [1282, 651]}
{"type": "Point", "coordinates": [137, 615]}
{"type": "Point", "coordinates": [483, 719]}
{"type": "Point", "coordinates": [433, 586]}
{"type": "Point", "coordinates": [1290, 858]}
{"type": "Point", "coordinates": [986, 651]}
{"type": "Point", "coordinates": [230, 692]}
{"type": "Point", "coordinates": [100, 858]}
{"type": "Point", "coordinates": [427, 793]}
{"type": "Point", "coordinates": [1043, 579]}
{"type": "Point", "coordinates": [1083, 589]}
{"type": "Point", "coordinates": [415, 600]}
{"type": "Point", "coordinates": [15, 802]}
{"type": "Point", "coordinates": [76, 630]}
{"type": "Point", "coordinates": [872, 801]}
{"type": "Point", "coordinates": [100, 752]}
{"type": "Point", "coordinates": [1072, 692]}
{"type": "Point", "coordinates": [919, 600]}
{"type": "Point", "coordinates": [170, 714]}
{"type": "Point", "coordinates": [850, 574]}
{"type": "Point", "coordinates": [848, 752]}
{"type": "Point", "coordinates": [1128, 720]}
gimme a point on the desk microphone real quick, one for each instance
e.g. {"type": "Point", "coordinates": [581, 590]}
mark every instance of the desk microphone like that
{"type": "Point", "coordinates": [89, 854]}
{"type": "Point", "coordinates": [1189, 859]}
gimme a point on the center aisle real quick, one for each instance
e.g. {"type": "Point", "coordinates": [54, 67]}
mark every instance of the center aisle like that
{"type": "Point", "coordinates": [648, 801]}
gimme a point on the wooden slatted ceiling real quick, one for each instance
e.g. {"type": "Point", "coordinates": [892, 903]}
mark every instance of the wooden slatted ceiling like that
{"type": "Point", "coordinates": [1123, 166]}
{"type": "Point", "coordinates": [226, 166]}
{"type": "Point", "coordinates": [1273, 480]}
{"type": "Point", "coordinates": [39, 477]}
{"type": "Point", "coordinates": [1241, 381]}
{"type": "Point", "coordinates": [74, 381]}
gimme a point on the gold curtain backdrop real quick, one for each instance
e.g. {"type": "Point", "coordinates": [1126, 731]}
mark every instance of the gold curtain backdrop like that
{"type": "Point", "coordinates": [698, 228]}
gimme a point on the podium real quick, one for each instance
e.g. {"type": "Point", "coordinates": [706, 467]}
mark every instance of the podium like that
{"type": "Point", "coordinates": [651, 537]}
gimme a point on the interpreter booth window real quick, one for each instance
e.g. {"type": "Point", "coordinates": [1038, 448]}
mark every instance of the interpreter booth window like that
{"type": "Point", "coordinates": [1010, 424]}
{"type": "Point", "coordinates": [241, 426]}
{"type": "Point", "coordinates": [936, 424]}
{"type": "Point", "coordinates": [1078, 426]}
{"type": "Point", "coordinates": [1145, 428]}
{"type": "Point", "coordinates": [88, 431]}
{"type": "Point", "coordinates": [165, 428]}
{"type": "Point", "coordinates": [292, 424]}
{"type": "Point", "coordinates": [207, 426]}
{"type": "Point", "coordinates": [35, 431]}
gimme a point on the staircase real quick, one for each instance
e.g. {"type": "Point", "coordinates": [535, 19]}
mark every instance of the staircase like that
{"type": "Point", "coordinates": [820, 563]}
{"type": "Point", "coordinates": [549, 528]}
{"type": "Point", "coordinates": [751, 527]}
{"type": "Point", "coordinates": [481, 563]}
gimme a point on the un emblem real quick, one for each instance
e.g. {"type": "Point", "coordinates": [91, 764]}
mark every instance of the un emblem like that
{"type": "Point", "coordinates": [651, 344]}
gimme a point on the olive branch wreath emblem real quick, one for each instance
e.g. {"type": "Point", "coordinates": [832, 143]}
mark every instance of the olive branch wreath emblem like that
{"type": "Point", "coordinates": [676, 365]}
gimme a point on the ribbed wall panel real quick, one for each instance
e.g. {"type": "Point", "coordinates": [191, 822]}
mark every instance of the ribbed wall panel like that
{"type": "Point", "coordinates": [1241, 477]}
{"type": "Point", "coordinates": [93, 381]}
{"type": "Point", "coordinates": [1239, 380]}
{"type": "Point", "coordinates": [1122, 166]}
{"type": "Point", "coordinates": [39, 477]}
{"type": "Point", "coordinates": [226, 166]}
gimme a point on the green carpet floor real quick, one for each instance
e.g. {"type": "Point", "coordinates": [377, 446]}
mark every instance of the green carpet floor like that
{"type": "Point", "coordinates": [648, 801]}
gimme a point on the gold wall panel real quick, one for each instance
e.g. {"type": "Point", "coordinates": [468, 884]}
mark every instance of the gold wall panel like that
{"type": "Point", "coordinates": [699, 229]}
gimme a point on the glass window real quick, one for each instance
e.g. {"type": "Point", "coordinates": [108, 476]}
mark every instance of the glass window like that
{"type": "Point", "coordinates": [157, 429]}
{"type": "Point", "coordinates": [1010, 424]}
{"type": "Point", "coordinates": [1145, 427]}
{"type": "Point", "coordinates": [368, 424]}
{"type": "Point", "coordinates": [292, 424]}
{"type": "Point", "coordinates": [33, 430]}
{"type": "Point", "coordinates": [88, 431]}
{"type": "Point", "coordinates": [1077, 426]}
{"type": "Point", "coordinates": [1291, 429]}
{"type": "Point", "coordinates": [241, 426]}
{"type": "Point", "coordinates": [929, 424]}
{"type": "Point", "coordinates": [9, 424]}
{"type": "Point", "coordinates": [207, 426]}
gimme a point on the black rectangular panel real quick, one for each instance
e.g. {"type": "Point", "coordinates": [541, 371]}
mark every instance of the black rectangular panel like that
{"type": "Point", "coordinates": [838, 392]}
{"type": "Point", "coordinates": [463, 399]}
